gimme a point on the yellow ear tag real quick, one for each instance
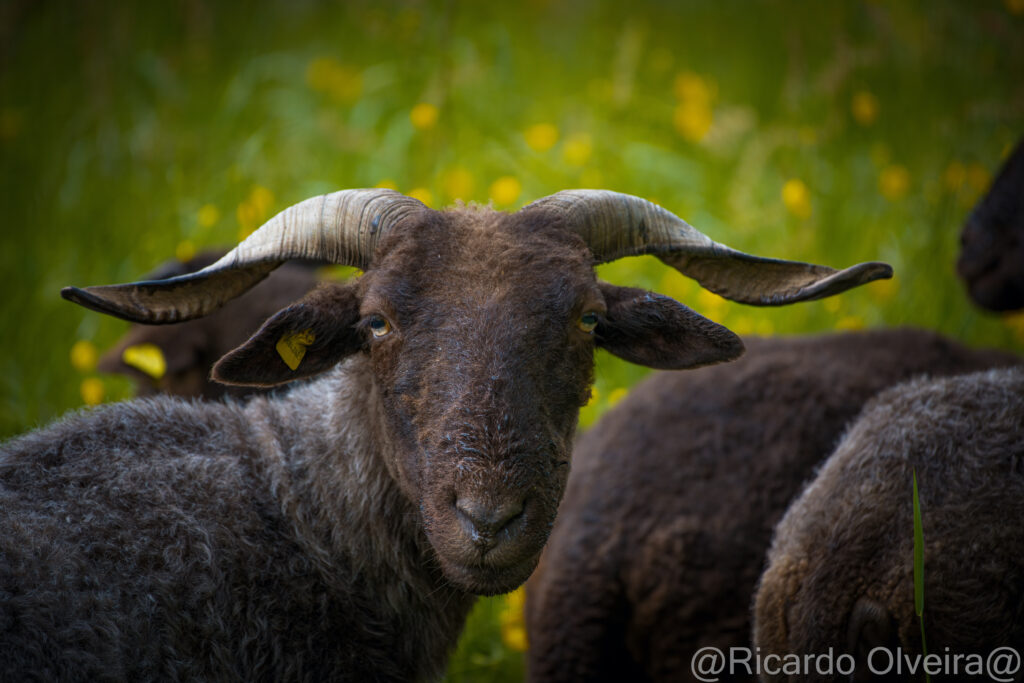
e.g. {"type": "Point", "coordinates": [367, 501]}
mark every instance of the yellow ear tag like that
{"type": "Point", "coordinates": [292, 347]}
{"type": "Point", "coordinates": [145, 357]}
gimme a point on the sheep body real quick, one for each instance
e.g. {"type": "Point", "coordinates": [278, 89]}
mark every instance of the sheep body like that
{"type": "Point", "coordinates": [674, 493]}
{"type": "Point", "coordinates": [840, 569]}
{"type": "Point", "coordinates": [165, 539]}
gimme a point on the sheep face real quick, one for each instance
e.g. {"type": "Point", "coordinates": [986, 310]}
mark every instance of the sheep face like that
{"type": "Point", "coordinates": [479, 331]}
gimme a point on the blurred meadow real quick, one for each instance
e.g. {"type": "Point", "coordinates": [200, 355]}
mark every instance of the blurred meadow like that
{"type": "Point", "coordinates": [833, 132]}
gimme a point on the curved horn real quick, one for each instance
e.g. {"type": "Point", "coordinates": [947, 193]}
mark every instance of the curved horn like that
{"type": "Point", "coordinates": [614, 225]}
{"type": "Point", "coordinates": [342, 227]}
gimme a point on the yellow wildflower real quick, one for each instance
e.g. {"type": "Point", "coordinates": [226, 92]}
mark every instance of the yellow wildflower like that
{"type": "Point", "coordinates": [387, 184]}
{"type": "Point", "coordinates": [505, 190]}
{"type": "Point", "coordinates": [516, 600]}
{"type": "Point", "coordinates": [254, 210]}
{"type": "Point", "coordinates": [894, 182]}
{"type": "Point", "coordinates": [864, 107]}
{"type": "Point", "coordinates": [577, 149]}
{"type": "Point", "coordinates": [690, 87]}
{"type": "Point", "coordinates": [594, 396]}
{"type": "Point", "coordinates": [692, 119]}
{"type": "Point", "coordinates": [92, 391]}
{"type": "Point", "coordinates": [185, 251]}
{"type": "Point", "coordinates": [422, 194]}
{"type": "Point", "coordinates": [513, 626]}
{"type": "Point", "coordinates": [329, 76]}
{"type": "Point", "coordinates": [797, 198]}
{"type": "Point", "coordinates": [84, 355]}
{"type": "Point", "coordinates": [248, 219]}
{"type": "Point", "coordinates": [458, 183]}
{"type": "Point", "coordinates": [262, 199]}
{"type": "Point", "coordinates": [541, 137]}
{"type": "Point", "coordinates": [1014, 6]}
{"type": "Point", "coordinates": [424, 115]}
{"type": "Point", "coordinates": [850, 322]}
{"type": "Point", "coordinates": [617, 395]}
{"type": "Point", "coordinates": [832, 304]}
{"type": "Point", "coordinates": [208, 215]}
{"type": "Point", "coordinates": [884, 290]}
{"type": "Point", "coordinates": [514, 637]}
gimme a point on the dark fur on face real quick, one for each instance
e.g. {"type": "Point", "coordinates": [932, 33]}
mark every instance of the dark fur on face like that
{"type": "Point", "coordinates": [992, 243]}
{"type": "Point", "coordinates": [472, 322]}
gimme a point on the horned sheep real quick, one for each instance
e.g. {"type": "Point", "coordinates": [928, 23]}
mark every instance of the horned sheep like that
{"type": "Point", "coordinates": [674, 494]}
{"type": "Point", "coordinates": [840, 571]}
{"type": "Point", "coordinates": [340, 531]}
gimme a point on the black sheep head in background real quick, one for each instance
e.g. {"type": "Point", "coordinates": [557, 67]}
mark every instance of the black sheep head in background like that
{"type": "Point", "coordinates": [992, 243]}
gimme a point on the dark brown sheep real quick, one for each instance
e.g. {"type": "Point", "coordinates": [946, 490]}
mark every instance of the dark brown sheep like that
{"type": "Point", "coordinates": [340, 531]}
{"type": "Point", "coordinates": [992, 243]}
{"type": "Point", "coordinates": [840, 571]}
{"type": "Point", "coordinates": [189, 349]}
{"type": "Point", "coordinates": [674, 493]}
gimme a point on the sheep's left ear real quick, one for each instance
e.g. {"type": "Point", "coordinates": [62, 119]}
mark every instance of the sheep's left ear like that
{"type": "Point", "coordinates": [304, 339]}
{"type": "Point", "coordinates": [653, 330]}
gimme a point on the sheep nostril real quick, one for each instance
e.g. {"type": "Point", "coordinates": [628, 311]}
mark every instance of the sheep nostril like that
{"type": "Point", "coordinates": [483, 520]}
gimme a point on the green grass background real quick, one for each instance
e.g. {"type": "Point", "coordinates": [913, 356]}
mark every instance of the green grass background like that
{"type": "Point", "coordinates": [833, 132]}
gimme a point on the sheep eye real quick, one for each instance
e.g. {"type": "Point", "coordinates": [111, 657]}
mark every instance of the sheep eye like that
{"type": "Point", "coordinates": [379, 326]}
{"type": "Point", "coordinates": [587, 322]}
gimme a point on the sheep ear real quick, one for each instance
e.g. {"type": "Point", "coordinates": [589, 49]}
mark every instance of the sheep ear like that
{"type": "Point", "coordinates": [306, 338]}
{"type": "Point", "coordinates": [653, 330]}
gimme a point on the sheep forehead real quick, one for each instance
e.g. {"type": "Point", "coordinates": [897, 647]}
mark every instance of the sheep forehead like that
{"type": "Point", "coordinates": [466, 258]}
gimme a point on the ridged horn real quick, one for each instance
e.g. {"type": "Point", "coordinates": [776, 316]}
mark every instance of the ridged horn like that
{"type": "Point", "coordinates": [342, 227]}
{"type": "Point", "coordinates": [615, 225]}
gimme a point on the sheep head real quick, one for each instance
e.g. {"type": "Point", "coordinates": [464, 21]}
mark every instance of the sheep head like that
{"type": "Point", "coordinates": [991, 260]}
{"type": "Point", "coordinates": [479, 330]}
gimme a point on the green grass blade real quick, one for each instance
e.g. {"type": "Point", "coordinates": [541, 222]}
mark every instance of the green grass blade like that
{"type": "Point", "coordinates": [919, 571]}
{"type": "Point", "coordinates": [918, 554]}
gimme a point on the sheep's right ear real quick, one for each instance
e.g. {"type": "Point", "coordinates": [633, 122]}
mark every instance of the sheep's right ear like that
{"type": "Point", "coordinates": [649, 329]}
{"type": "Point", "coordinates": [308, 337]}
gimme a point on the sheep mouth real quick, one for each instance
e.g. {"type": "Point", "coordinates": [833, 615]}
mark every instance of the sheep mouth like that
{"type": "Point", "coordinates": [489, 580]}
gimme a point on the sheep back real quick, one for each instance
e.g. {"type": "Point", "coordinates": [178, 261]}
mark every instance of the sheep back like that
{"type": "Point", "coordinates": [849, 536]}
